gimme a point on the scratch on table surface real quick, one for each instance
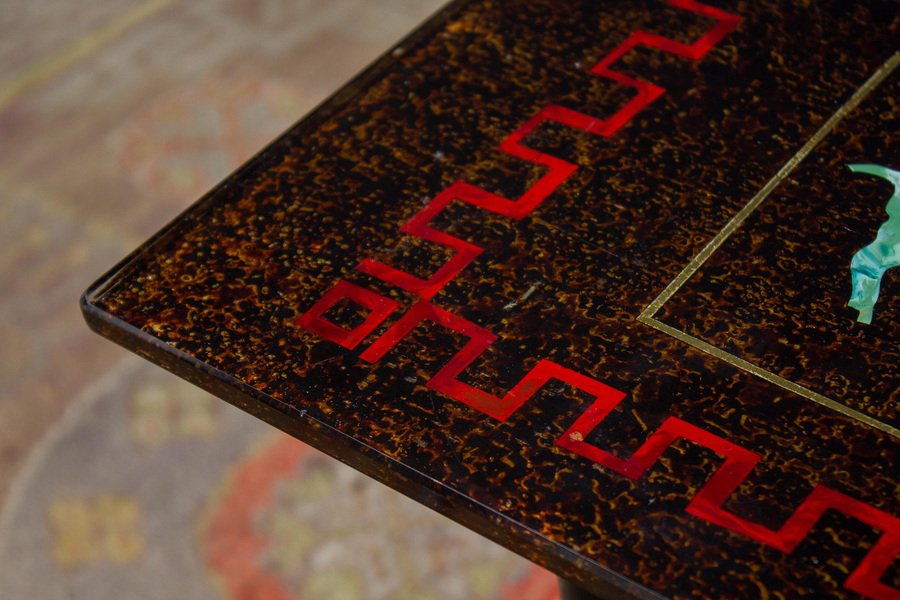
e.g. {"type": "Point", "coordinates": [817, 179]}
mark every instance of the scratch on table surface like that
{"type": "Point", "coordinates": [525, 296]}
{"type": "Point", "coordinates": [324, 361]}
{"type": "Point", "coordinates": [577, 237]}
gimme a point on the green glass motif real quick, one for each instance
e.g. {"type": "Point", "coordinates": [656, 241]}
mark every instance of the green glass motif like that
{"type": "Point", "coordinates": [869, 264]}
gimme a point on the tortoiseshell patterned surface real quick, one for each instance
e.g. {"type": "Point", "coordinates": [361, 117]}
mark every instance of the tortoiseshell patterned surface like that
{"type": "Point", "coordinates": [216, 297]}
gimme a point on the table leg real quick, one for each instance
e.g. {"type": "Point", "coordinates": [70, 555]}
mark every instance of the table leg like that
{"type": "Point", "coordinates": [570, 591]}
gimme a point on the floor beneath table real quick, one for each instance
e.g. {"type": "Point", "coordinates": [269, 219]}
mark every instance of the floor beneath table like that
{"type": "Point", "coordinates": [116, 479]}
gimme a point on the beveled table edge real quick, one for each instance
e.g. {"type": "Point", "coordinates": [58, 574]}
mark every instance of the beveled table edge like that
{"type": "Point", "coordinates": [565, 562]}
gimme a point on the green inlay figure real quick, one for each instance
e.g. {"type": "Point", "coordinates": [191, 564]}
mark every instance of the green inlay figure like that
{"type": "Point", "coordinates": [869, 264]}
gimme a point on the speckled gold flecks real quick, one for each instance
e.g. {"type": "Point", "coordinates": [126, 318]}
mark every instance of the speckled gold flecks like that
{"type": "Point", "coordinates": [227, 283]}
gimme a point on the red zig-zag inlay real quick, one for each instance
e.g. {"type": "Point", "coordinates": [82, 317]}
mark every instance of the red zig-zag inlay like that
{"type": "Point", "coordinates": [708, 503]}
{"type": "Point", "coordinates": [418, 226]}
{"type": "Point", "coordinates": [446, 382]}
{"type": "Point", "coordinates": [380, 308]}
{"type": "Point", "coordinates": [648, 92]}
{"type": "Point", "coordinates": [558, 170]}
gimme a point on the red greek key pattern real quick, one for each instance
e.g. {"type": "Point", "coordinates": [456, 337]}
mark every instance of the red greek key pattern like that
{"type": "Point", "coordinates": [380, 308]}
{"type": "Point", "coordinates": [707, 504]}
{"type": "Point", "coordinates": [739, 462]}
{"type": "Point", "coordinates": [558, 170]}
{"type": "Point", "coordinates": [446, 382]}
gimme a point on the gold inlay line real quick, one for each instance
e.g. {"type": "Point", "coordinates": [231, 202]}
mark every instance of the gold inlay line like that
{"type": "Point", "coordinates": [736, 221]}
{"type": "Point", "coordinates": [647, 315]}
{"type": "Point", "coordinates": [768, 376]}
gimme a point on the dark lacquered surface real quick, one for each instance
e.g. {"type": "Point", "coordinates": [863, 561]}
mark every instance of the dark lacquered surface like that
{"type": "Point", "coordinates": [219, 296]}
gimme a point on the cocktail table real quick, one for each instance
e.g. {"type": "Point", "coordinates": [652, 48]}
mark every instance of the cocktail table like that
{"type": "Point", "coordinates": [607, 282]}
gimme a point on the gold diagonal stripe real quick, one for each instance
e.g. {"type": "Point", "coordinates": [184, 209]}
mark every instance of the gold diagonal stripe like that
{"type": "Point", "coordinates": [647, 315]}
{"type": "Point", "coordinates": [82, 48]}
{"type": "Point", "coordinates": [767, 189]}
{"type": "Point", "coordinates": [768, 376]}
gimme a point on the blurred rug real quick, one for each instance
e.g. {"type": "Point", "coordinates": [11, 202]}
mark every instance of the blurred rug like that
{"type": "Point", "coordinates": [150, 488]}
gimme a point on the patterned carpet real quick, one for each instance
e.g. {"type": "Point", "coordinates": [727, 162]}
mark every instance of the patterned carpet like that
{"type": "Point", "coordinates": [117, 480]}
